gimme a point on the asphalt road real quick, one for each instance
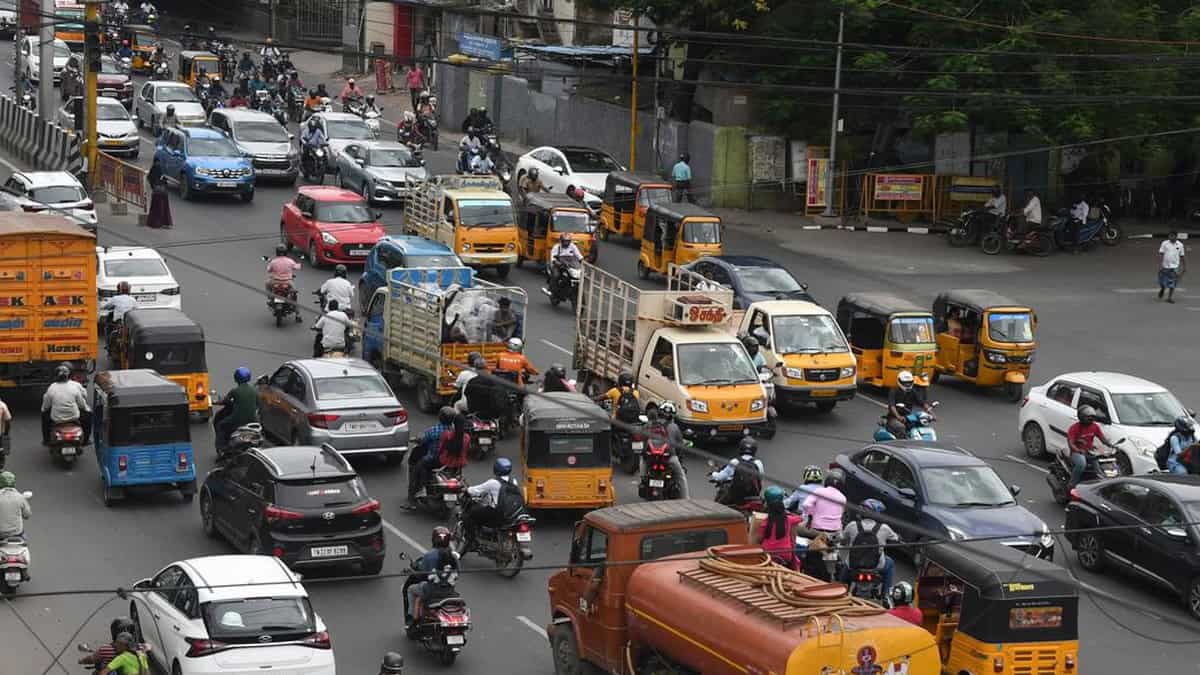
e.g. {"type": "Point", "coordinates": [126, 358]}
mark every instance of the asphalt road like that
{"type": "Point", "coordinates": [1096, 311]}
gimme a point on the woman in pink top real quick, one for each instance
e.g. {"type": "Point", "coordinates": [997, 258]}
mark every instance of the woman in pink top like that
{"type": "Point", "coordinates": [824, 509]}
{"type": "Point", "coordinates": [778, 531]}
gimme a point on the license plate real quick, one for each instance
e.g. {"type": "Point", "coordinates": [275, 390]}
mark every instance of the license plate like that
{"type": "Point", "coordinates": [450, 497]}
{"type": "Point", "coordinates": [657, 483]}
{"type": "Point", "coordinates": [485, 441]}
{"type": "Point", "coordinates": [354, 427]}
{"type": "Point", "coordinates": [824, 392]}
{"type": "Point", "coordinates": [329, 551]}
{"type": "Point", "coordinates": [226, 185]}
{"type": "Point", "coordinates": [69, 451]}
{"type": "Point", "coordinates": [455, 640]}
{"type": "Point", "coordinates": [524, 536]}
{"type": "Point", "coordinates": [145, 297]}
{"type": "Point", "coordinates": [729, 427]}
{"type": "Point", "coordinates": [637, 445]}
{"type": "Point", "coordinates": [12, 576]}
{"type": "Point", "coordinates": [360, 252]}
{"type": "Point", "coordinates": [110, 142]}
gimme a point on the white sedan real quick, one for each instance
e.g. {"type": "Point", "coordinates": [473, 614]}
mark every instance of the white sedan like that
{"type": "Point", "coordinates": [150, 280]}
{"type": "Point", "coordinates": [150, 105]}
{"type": "Point", "coordinates": [568, 167]}
{"type": "Point", "coordinates": [53, 191]}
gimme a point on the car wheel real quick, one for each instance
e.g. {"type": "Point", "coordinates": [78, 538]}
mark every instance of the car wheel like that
{"type": "Point", "coordinates": [1034, 440]}
{"type": "Point", "coordinates": [1089, 551]}
{"type": "Point", "coordinates": [283, 238]}
{"type": "Point", "coordinates": [1124, 465]}
{"type": "Point", "coordinates": [366, 192]}
{"type": "Point", "coordinates": [1193, 598]}
{"type": "Point", "coordinates": [206, 516]}
{"type": "Point", "coordinates": [312, 254]}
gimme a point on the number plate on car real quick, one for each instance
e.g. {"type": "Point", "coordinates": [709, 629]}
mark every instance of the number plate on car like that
{"type": "Point", "coordinates": [455, 640]}
{"type": "Point", "coordinates": [146, 297]}
{"type": "Point", "coordinates": [524, 536]}
{"type": "Point", "coordinates": [360, 252]}
{"type": "Point", "coordinates": [225, 184]}
{"type": "Point", "coordinates": [657, 483]}
{"type": "Point", "coordinates": [329, 551]}
{"type": "Point", "coordinates": [824, 392]}
{"type": "Point", "coordinates": [354, 427]}
{"type": "Point", "coordinates": [12, 576]}
{"type": "Point", "coordinates": [450, 497]}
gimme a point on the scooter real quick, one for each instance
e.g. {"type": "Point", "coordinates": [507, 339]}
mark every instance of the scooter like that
{"type": "Point", "coordinates": [658, 482]}
{"type": "Point", "coordinates": [314, 165]}
{"type": "Point", "coordinates": [563, 284]}
{"type": "Point", "coordinates": [1100, 229]}
{"type": "Point", "coordinates": [483, 435]}
{"type": "Point", "coordinates": [747, 507]}
{"type": "Point", "coordinates": [439, 495]}
{"type": "Point", "coordinates": [628, 444]}
{"type": "Point", "coordinates": [867, 584]}
{"type": "Point", "coordinates": [919, 425]}
{"type": "Point", "coordinates": [352, 334]}
{"type": "Point", "coordinates": [509, 546]}
{"type": "Point", "coordinates": [372, 117]}
{"type": "Point", "coordinates": [66, 443]}
{"type": "Point", "coordinates": [441, 625]}
{"type": "Point", "coordinates": [161, 72]}
{"type": "Point", "coordinates": [14, 561]}
{"type": "Point", "coordinates": [283, 301]}
{"type": "Point", "coordinates": [1100, 465]}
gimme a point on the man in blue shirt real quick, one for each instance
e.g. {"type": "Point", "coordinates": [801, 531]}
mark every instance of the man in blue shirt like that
{"type": "Point", "coordinates": [428, 445]}
{"type": "Point", "coordinates": [681, 175]}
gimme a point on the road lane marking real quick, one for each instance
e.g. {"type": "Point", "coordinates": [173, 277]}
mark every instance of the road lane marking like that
{"type": "Point", "coordinates": [868, 399]}
{"type": "Point", "coordinates": [404, 537]}
{"type": "Point", "coordinates": [533, 626]}
{"type": "Point", "coordinates": [11, 167]}
{"type": "Point", "coordinates": [1028, 464]}
{"type": "Point", "coordinates": [554, 346]}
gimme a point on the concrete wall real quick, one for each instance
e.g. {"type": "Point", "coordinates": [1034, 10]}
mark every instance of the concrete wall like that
{"type": "Point", "coordinates": [379, 26]}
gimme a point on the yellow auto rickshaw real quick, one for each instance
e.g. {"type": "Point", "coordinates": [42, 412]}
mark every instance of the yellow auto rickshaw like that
{"type": "Point", "coordinates": [677, 234]}
{"type": "Point", "coordinates": [887, 335]}
{"type": "Point", "coordinates": [546, 217]}
{"type": "Point", "coordinates": [984, 338]}
{"type": "Point", "coordinates": [993, 608]}
{"type": "Point", "coordinates": [626, 198]}
{"type": "Point", "coordinates": [565, 455]}
{"type": "Point", "coordinates": [166, 340]}
{"type": "Point", "coordinates": [143, 40]}
{"type": "Point", "coordinates": [190, 63]}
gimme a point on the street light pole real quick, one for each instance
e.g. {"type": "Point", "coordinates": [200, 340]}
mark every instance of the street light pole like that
{"type": "Point", "coordinates": [833, 125]}
{"type": "Point", "coordinates": [46, 60]}
{"type": "Point", "coordinates": [91, 44]}
{"type": "Point", "coordinates": [633, 117]}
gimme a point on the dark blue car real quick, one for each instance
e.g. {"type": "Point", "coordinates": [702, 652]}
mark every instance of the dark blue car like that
{"type": "Point", "coordinates": [752, 278]}
{"type": "Point", "coordinates": [401, 251]}
{"type": "Point", "coordinates": [943, 489]}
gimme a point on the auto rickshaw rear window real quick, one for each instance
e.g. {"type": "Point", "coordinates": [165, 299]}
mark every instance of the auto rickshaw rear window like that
{"type": "Point", "coordinates": [657, 546]}
{"type": "Point", "coordinates": [170, 359]}
{"type": "Point", "coordinates": [1035, 618]}
{"type": "Point", "coordinates": [1010, 327]}
{"type": "Point", "coordinates": [139, 426]}
{"type": "Point", "coordinates": [352, 386]}
{"type": "Point", "coordinates": [910, 330]}
{"type": "Point", "coordinates": [570, 444]}
{"type": "Point", "coordinates": [655, 195]}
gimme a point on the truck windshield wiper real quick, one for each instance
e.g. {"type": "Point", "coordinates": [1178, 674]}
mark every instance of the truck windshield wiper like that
{"type": "Point", "coordinates": [720, 380]}
{"type": "Point", "coordinates": [486, 223]}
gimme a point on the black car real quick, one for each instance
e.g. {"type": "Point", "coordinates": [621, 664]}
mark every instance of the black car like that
{"type": "Point", "coordinates": [944, 489]}
{"type": "Point", "coordinates": [1150, 523]}
{"type": "Point", "coordinates": [752, 278]}
{"type": "Point", "coordinates": [302, 504]}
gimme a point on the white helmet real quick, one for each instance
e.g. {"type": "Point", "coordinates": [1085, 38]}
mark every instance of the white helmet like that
{"type": "Point", "coordinates": [667, 409]}
{"type": "Point", "coordinates": [905, 380]}
{"type": "Point", "coordinates": [515, 344]}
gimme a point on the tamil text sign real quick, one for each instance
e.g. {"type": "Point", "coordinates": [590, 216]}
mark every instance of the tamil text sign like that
{"type": "Point", "coordinates": [898, 187]}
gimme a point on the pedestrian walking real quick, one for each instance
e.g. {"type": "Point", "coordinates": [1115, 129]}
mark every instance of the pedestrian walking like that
{"type": "Point", "coordinates": [416, 84]}
{"type": "Point", "coordinates": [160, 208]}
{"type": "Point", "coordinates": [1171, 266]}
{"type": "Point", "coordinates": [681, 175]}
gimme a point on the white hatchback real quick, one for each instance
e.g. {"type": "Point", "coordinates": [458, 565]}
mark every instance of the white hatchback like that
{"type": "Point", "coordinates": [55, 192]}
{"type": "Point", "coordinates": [198, 620]}
{"type": "Point", "coordinates": [567, 167]}
{"type": "Point", "coordinates": [1129, 407]}
{"type": "Point", "coordinates": [150, 280]}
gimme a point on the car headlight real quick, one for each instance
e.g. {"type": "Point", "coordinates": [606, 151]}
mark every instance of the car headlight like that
{"type": "Point", "coordinates": [201, 171]}
{"type": "Point", "coordinates": [466, 247]}
{"type": "Point", "coordinates": [757, 404]}
{"type": "Point", "coordinates": [847, 372]}
{"type": "Point", "coordinates": [696, 405]}
{"type": "Point", "coordinates": [1143, 446]}
{"type": "Point", "coordinates": [956, 534]}
{"type": "Point", "coordinates": [328, 238]}
{"type": "Point", "coordinates": [511, 246]}
{"type": "Point", "coordinates": [794, 373]}
{"type": "Point", "coordinates": [1047, 539]}
{"type": "Point", "coordinates": [994, 356]}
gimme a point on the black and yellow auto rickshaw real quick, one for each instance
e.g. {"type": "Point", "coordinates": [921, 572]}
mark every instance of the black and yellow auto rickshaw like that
{"type": "Point", "coordinates": [191, 62]}
{"type": "Point", "coordinates": [995, 609]}
{"type": "Point", "coordinates": [626, 198]}
{"type": "Point", "coordinates": [565, 454]}
{"type": "Point", "coordinates": [166, 340]}
{"type": "Point", "coordinates": [545, 218]}
{"type": "Point", "coordinates": [677, 234]}
{"type": "Point", "coordinates": [143, 40]}
{"type": "Point", "coordinates": [888, 334]}
{"type": "Point", "coordinates": [985, 338]}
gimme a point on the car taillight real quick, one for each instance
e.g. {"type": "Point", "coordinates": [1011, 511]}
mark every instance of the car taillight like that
{"type": "Point", "coordinates": [274, 513]}
{"type": "Point", "coordinates": [277, 551]}
{"type": "Point", "coordinates": [377, 544]}
{"type": "Point", "coordinates": [174, 290]}
{"type": "Point", "coordinates": [122, 463]}
{"type": "Point", "coordinates": [834, 465]}
{"type": "Point", "coordinates": [182, 464]}
{"type": "Point", "coordinates": [318, 640]}
{"type": "Point", "coordinates": [368, 507]}
{"type": "Point", "coordinates": [321, 420]}
{"type": "Point", "coordinates": [203, 647]}
{"type": "Point", "coordinates": [1075, 496]}
{"type": "Point", "coordinates": [397, 417]}
{"type": "Point", "coordinates": [31, 208]}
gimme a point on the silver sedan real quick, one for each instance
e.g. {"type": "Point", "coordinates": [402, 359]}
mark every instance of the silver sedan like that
{"type": "Point", "coordinates": [380, 171]}
{"type": "Point", "coordinates": [341, 402]}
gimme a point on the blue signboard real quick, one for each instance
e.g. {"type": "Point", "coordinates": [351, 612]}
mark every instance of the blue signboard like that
{"type": "Point", "coordinates": [482, 46]}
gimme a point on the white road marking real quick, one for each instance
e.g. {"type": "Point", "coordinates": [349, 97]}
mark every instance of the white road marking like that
{"type": "Point", "coordinates": [868, 399]}
{"type": "Point", "coordinates": [533, 626]}
{"type": "Point", "coordinates": [9, 165]}
{"type": "Point", "coordinates": [554, 346]}
{"type": "Point", "coordinates": [1029, 464]}
{"type": "Point", "coordinates": [407, 539]}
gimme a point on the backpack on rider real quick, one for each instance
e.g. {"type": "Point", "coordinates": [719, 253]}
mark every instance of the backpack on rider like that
{"type": "Point", "coordinates": [864, 548]}
{"type": "Point", "coordinates": [746, 482]}
{"type": "Point", "coordinates": [510, 501]}
{"type": "Point", "coordinates": [628, 407]}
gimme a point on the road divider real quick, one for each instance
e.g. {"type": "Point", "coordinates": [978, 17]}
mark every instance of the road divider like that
{"type": "Point", "coordinates": [33, 139]}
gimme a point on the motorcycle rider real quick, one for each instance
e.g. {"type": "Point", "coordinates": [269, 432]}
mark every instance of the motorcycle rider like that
{"type": "Point", "coordinates": [311, 103]}
{"type": "Point", "coordinates": [130, 659]}
{"type": "Point", "coordinates": [238, 407]}
{"type": "Point", "coordinates": [65, 401]}
{"type": "Point", "coordinates": [475, 365]}
{"type": "Point", "coordinates": [105, 652]}
{"type": "Point", "coordinates": [1079, 216]}
{"type": "Point", "coordinates": [470, 145]}
{"type": "Point", "coordinates": [238, 100]}
{"type": "Point", "coordinates": [1081, 438]}
{"type": "Point", "coordinates": [997, 204]}
{"type": "Point", "coordinates": [823, 510]}
{"type": "Point", "coordinates": [281, 271]}
{"type": "Point", "coordinates": [313, 138]}
{"type": "Point", "coordinates": [339, 288]}
{"type": "Point", "coordinates": [435, 571]}
{"type": "Point", "coordinates": [159, 58]}
{"type": "Point", "coordinates": [556, 379]}
{"type": "Point", "coordinates": [624, 399]}
{"type": "Point", "coordinates": [119, 304]}
{"type": "Point", "coordinates": [125, 51]}
{"type": "Point", "coordinates": [736, 486]}
{"type": "Point", "coordinates": [170, 119]}
{"type": "Point", "coordinates": [392, 664]}
{"type": "Point", "coordinates": [425, 106]}
{"type": "Point", "coordinates": [902, 597]}
{"type": "Point", "coordinates": [477, 118]}
{"type": "Point", "coordinates": [512, 360]}
{"type": "Point", "coordinates": [854, 559]}
{"type": "Point", "coordinates": [565, 247]}
{"type": "Point", "coordinates": [245, 66]}
{"type": "Point", "coordinates": [147, 8]}
{"type": "Point", "coordinates": [813, 478]}
{"type": "Point", "coordinates": [408, 124]}
{"type": "Point", "coordinates": [777, 534]}
{"type": "Point", "coordinates": [350, 91]}
{"type": "Point", "coordinates": [668, 427]}
{"type": "Point", "coordinates": [905, 392]}
{"type": "Point", "coordinates": [269, 49]}
{"type": "Point", "coordinates": [14, 508]}
{"type": "Point", "coordinates": [369, 105]}
{"type": "Point", "coordinates": [331, 330]}
{"type": "Point", "coordinates": [425, 447]}
{"type": "Point", "coordinates": [481, 163]}
{"type": "Point", "coordinates": [495, 499]}
{"type": "Point", "coordinates": [1183, 437]}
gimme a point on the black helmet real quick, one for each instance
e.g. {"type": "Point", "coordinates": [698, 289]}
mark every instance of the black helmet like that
{"type": "Point", "coordinates": [1184, 424]}
{"type": "Point", "coordinates": [312, 123]}
{"type": "Point", "coordinates": [340, 271]}
{"type": "Point", "coordinates": [625, 379]}
{"type": "Point", "coordinates": [559, 370]}
{"type": "Point", "coordinates": [446, 414]}
{"type": "Point", "coordinates": [440, 537]}
{"type": "Point", "coordinates": [1087, 414]}
{"type": "Point", "coordinates": [393, 664]}
{"type": "Point", "coordinates": [751, 344]}
{"type": "Point", "coordinates": [476, 360]}
{"type": "Point", "coordinates": [685, 157]}
{"type": "Point", "coordinates": [121, 624]}
{"type": "Point", "coordinates": [62, 373]}
{"type": "Point", "coordinates": [280, 249]}
{"type": "Point", "coordinates": [331, 305]}
{"type": "Point", "coordinates": [748, 446]}
{"type": "Point", "coordinates": [813, 474]}
{"type": "Point", "coordinates": [835, 478]}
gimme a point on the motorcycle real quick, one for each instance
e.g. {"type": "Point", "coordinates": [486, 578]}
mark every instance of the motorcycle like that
{"type": "Point", "coordinates": [352, 334]}
{"type": "Point", "coordinates": [283, 301]}
{"type": "Point", "coordinates": [14, 561]}
{"type": "Point", "coordinates": [970, 226]}
{"type": "Point", "coordinates": [509, 545]}
{"type": "Point", "coordinates": [628, 441]}
{"type": "Point", "coordinates": [161, 72]}
{"type": "Point", "coordinates": [295, 102]}
{"type": "Point", "coordinates": [483, 435]}
{"type": "Point", "coordinates": [1100, 465]}
{"type": "Point", "coordinates": [658, 482]}
{"type": "Point", "coordinates": [314, 164]}
{"type": "Point", "coordinates": [262, 101]}
{"type": "Point", "coordinates": [1037, 240]}
{"type": "Point", "coordinates": [29, 102]}
{"type": "Point", "coordinates": [425, 131]}
{"type": "Point", "coordinates": [353, 105]}
{"type": "Point", "coordinates": [439, 495]}
{"type": "Point", "coordinates": [441, 625]}
{"type": "Point", "coordinates": [66, 443]}
{"type": "Point", "coordinates": [372, 117]}
{"type": "Point", "coordinates": [278, 110]}
{"type": "Point", "coordinates": [867, 584]}
{"type": "Point", "coordinates": [1100, 229]}
{"type": "Point", "coordinates": [564, 274]}
{"type": "Point", "coordinates": [240, 440]}
{"type": "Point", "coordinates": [919, 425]}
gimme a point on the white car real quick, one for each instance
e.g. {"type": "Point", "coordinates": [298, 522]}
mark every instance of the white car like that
{"type": "Point", "coordinates": [1129, 407]}
{"type": "Point", "coordinates": [150, 280]}
{"type": "Point", "coordinates": [203, 622]}
{"type": "Point", "coordinates": [150, 105]}
{"type": "Point", "coordinates": [55, 191]}
{"type": "Point", "coordinates": [342, 129]}
{"type": "Point", "coordinates": [31, 57]}
{"type": "Point", "coordinates": [570, 166]}
{"type": "Point", "coordinates": [8, 19]}
{"type": "Point", "coordinates": [116, 130]}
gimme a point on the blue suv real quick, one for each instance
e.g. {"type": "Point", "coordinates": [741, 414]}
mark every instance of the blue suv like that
{"type": "Point", "coordinates": [401, 251]}
{"type": "Point", "coordinates": [203, 161]}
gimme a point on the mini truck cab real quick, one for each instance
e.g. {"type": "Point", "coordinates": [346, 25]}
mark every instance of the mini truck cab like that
{"type": "Point", "coordinates": [985, 338]}
{"type": "Point", "coordinates": [470, 214]}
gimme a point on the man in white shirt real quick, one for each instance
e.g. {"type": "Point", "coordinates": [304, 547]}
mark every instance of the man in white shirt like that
{"type": "Point", "coordinates": [1079, 216]}
{"type": "Point", "coordinates": [1032, 212]}
{"type": "Point", "coordinates": [1171, 266]}
{"type": "Point", "coordinates": [997, 204]}
{"type": "Point", "coordinates": [339, 288]}
{"type": "Point", "coordinates": [332, 328]}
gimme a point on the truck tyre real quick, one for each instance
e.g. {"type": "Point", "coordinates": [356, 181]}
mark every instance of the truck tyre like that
{"type": "Point", "coordinates": [566, 652]}
{"type": "Point", "coordinates": [503, 270]}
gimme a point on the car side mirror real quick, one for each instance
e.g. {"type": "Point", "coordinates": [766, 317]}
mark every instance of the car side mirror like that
{"type": "Point", "coordinates": [561, 171]}
{"type": "Point", "coordinates": [360, 161]}
{"type": "Point", "coordinates": [1177, 533]}
{"type": "Point", "coordinates": [1190, 412]}
{"type": "Point", "coordinates": [1014, 490]}
{"type": "Point", "coordinates": [263, 380]}
{"type": "Point", "coordinates": [908, 493]}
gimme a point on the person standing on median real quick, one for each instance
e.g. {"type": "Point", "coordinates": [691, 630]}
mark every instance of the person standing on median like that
{"type": "Point", "coordinates": [681, 175]}
{"type": "Point", "coordinates": [1171, 266]}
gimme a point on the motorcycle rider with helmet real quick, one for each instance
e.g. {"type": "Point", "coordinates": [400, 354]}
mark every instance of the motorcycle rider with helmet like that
{"type": "Point", "coordinates": [369, 105]}
{"type": "Point", "coordinates": [312, 140]}
{"type": "Point", "coordinates": [477, 118]}
{"type": "Point", "coordinates": [1181, 439]}
{"type": "Point", "coordinates": [392, 664]}
{"type": "Point", "coordinates": [238, 407]}
{"type": "Point", "coordinates": [668, 427]}
{"type": "Point", "coordinates": [564, 248]}
{"type": "Point", "coordinates": [555, 379]}
{"type": "Point", "coordinates": [823, 511]}
{"type": "Point", "coordinates": [485, 509]}
{"type": "Point", "coordinates": [907, 393]}
{"type": "Point", "coordinates": [813, 478]}
{"type": "Point", "coordinates": [731, 492]}
{"type": "Point", "coordinates": [65, 401]}
{"type": "Point", "coordinates": [851, 558]}
{"type": "Point", "coordinates": [902, 598]}
{"type": "Point", "coordinates": [1081, 439]}
{"type": "Point", "coordinates": [626, 386]}
{"type": "Point", "coordinates": [427, 446]}
{"type": "Point", "coordinates": [513, 361]}
{"type": "Point", "coordinates": [469, 145]}
{"type": "Point", "coordinates": [436, 567]}
{"type": "Point", "coordinates": [339, 288]}
{"type": "Point", "coordinates": [14, 508]}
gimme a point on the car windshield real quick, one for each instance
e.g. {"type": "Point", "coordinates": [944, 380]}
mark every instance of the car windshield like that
{"type": "Point", "coordinates": [352, 129]}
{"type": "Point", "coordinates": [393, 157]}
{"type": "Point", "coordinates": [807, 334]}
{"type": "Point", "coordinates": [715, 363]}
{"type": "Point", "coordinates": [1153, 409]}
{"type": "Point", "coordinates": [344, 212]}
{"type": "Point", "coordinates": [912, 330]}
{"type": "Point", "coordinates": [108, 112]}
{"type": "Point", "coordinates": [485, 212]}
{"type": "Point", "coordinates": [590, 161]}
{"type": "Point", "coordinates": [135, 267]}
{"type": "Point", "coordinates": [768, 280]}
{"type": "Point", "coordinates": [702, 232]}
{"type": "Point", "coordinates": [350, 387]}
{"type": "Point", "coordinates": [250, 618]}
{"type": "Point", "coordinates": [58, 194]}
{"type": "Point", "coordinates": [1193, 509]}
{"type": "Point", "coordinates": [433, 261]}
{"type": "Point", "coordinates": [110, 67]}
{"type": "Point", "coordinates": [1010, 326]}
{"type": "Point", "coordinates": [570, 221]}
{"type": "Point", "coordinates": [965, 486]}
{"type": "Point", "coordinates": [174, 95]}
{"type": "Point", "coordinates": [261, 132]}
{"type": "Point", "coordinates": [212, 147]}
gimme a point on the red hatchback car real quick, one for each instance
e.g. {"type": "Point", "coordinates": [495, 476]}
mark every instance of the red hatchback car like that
{"type": "Point", "coordinates": [331, 224]}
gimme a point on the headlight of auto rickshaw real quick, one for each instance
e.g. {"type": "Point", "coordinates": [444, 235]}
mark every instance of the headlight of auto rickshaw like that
{"type": "Point", "coordinates": [794, 373]}
{"type": "Point", "coordinates": [994, 356]}
{"type": "Point", "coordinates": [466, 247]}
{"type": "Point", "coordinates": [757, 404]}
{"type": "Point", "coordinates": [846, 372]}
{"type": "Point", "coordinates": [512, 246]}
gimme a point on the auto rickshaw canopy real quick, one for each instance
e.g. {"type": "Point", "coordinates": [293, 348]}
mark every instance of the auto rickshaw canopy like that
{"type": "Point", "coordinates": [547, 201]}
{"type": "Point", "coordinates": [139, 388]}
{"type": "Point", "coordinates": [564, 412]}
{"type": "Point", "coordinates": [976, 299]}
{"type": "Point", "coordinates": [879, 305]}
{"type": "Point", "coordinates": [673, 214]}
{"type": "Point", "coordinates": [165, 339]}
{"type": "Point", "coordinates": [620, 188]}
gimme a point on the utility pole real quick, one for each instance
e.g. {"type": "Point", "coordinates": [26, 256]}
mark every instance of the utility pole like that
{"type": "Point", "coordinates": [91, 48]}
{"type": "Point", "coordinates": [833, 125]}
{"type": "Point", "coordinates": [633, 119]}
{"type": "Point", "coordinates": [46, 60]}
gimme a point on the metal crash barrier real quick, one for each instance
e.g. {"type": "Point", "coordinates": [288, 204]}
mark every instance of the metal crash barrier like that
{"type": "Point", "coordinates": [122, 184]}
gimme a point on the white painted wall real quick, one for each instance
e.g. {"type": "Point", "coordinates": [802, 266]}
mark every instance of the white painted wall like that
{"type": "Point", "coordinates": [378, 27]}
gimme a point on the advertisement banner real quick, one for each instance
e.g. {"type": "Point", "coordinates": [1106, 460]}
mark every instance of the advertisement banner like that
{"type": "Point", "coordinates": [817, 168]}
{"type": "Point", "coordinates": [900, 188]}
{"type": "Point", "coordinates": [971, 188]}
{"type": "Point", "coordinates": [482, 46]}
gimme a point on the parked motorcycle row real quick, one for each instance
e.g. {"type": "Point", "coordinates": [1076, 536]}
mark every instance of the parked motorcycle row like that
{"type": "Point", "coordinates": [977, 226]}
